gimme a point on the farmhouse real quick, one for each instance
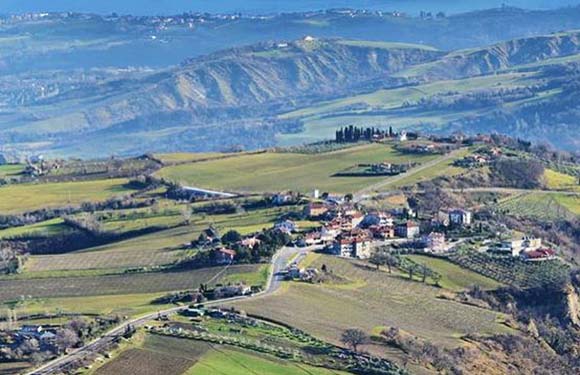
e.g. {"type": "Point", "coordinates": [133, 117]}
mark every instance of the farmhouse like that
{"type": "Point", "coordinates": [250, 242]}
{"type": "Point", "coordinates": [516, 247]}
{"type": "Point", "coordinates": [223, 256]}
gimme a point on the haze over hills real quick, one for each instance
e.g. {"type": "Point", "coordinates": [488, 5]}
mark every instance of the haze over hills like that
{"type": "Point", "coordinates": [81, 85]}
{"type": "Point", "coordinates": [153, 7]}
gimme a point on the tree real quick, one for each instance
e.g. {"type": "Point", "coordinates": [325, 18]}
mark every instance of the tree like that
{"type": "Point", "coordinates": [353, 337]}
{"type": "Point", "coordinates": [186, 214]}
{"type": "Point", "coordinates": [378, 258]}
{"type": "Point", "coordinates": [231, 237]}
{"type": "Point", "coordinates": [66, 338]}
{"type": "Point", "coordinates": [391, 261]}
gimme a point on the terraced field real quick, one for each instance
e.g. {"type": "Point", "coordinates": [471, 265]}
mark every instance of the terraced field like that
{"type": "Point", "coordinates": [371, 299]}
{"type": "Point", "coordinates": [542, 206]}
{"type": "Point", "coordinates": [28, 197]}
{"type": "Point", "coordinates": [272, 172]}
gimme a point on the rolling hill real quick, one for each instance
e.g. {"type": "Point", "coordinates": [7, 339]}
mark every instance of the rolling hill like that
{"type": "Point", "coordinates": [245, 97]}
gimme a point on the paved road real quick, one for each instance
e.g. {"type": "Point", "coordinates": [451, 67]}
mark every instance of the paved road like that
{"type": "Point", "coordinates": [279, 262]}
{"type": "Point", "coordinates": [365, 193]}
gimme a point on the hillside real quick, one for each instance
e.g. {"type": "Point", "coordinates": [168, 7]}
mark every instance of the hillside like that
{"type": "Point", "coordinates": [246, 97]}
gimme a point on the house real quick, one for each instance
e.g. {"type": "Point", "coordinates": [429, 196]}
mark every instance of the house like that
{"type": "Point", "coordinates": [378, 219]}
{"type": "Point", "coordinates": [538, 255]}
{"type": "Point", "coordinates": [281, 199]}
{"type": "Point", "coordinates": [286, 226]}
{"type": "Point", "coordinates": [231, 291]}
{"type": "Point", "coordinates": [516, 247]}
{"type": "Point", "coordinates": [358, 246]}
{"type": "Point", "coordinates": [250, 242]}
{"type": "Point", "coordinates": [223, 256]}
{"type": "Point", "coordinates": [47, 337]}
{"type": "Point", "coordinates": [31, 330]}
{"type": "Point", "coordinates": [408, 229]}
{"type": "Point", "coordinates": [382, 232]}
{"type": "Point", "coordinates": [403, 136]}
{"type": "Point", "coordinates": [434, 242]}
{"type": "Point", "coordinates": [314, 210]}
{"type": "Point", "coordinates": [460, 217]}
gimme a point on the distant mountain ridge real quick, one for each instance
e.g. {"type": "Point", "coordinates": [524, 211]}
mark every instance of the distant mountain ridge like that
{"type": "Point", "coordinates": [235, 96]}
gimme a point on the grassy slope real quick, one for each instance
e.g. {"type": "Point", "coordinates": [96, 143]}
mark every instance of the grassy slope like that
{"type": "Point", "coordinates": [152, 249]}
{"type": "Point", "coordinates": [45, 228]}
{"type": "Point", "coordinates": [454, 277]}
{"type": "Point", "coordinates": [156, 282]}
{"type": "Point", "coordinates": [372, 299]}
{"type": "Point", "coordinates": [287, 171]}
{"type": "Point", "coordinates": [29, 197]}
{"type": "Point", "coordinates": [10, 170]}
{"type": "Point", "coordinates": [239, 362]}
{"type": "Point", "coordinates": [321, 119]}
{"type": "Point", "coordinates": [542, 206]}
{"type": "Point", "coordinates": [560, 181]}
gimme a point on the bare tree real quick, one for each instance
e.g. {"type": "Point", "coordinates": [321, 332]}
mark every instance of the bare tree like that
{"type": "Point", "coordinates": [354, 337]}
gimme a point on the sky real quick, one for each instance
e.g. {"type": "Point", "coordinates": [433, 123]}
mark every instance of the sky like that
{"type": "Point", "coordinates": [153, 7]}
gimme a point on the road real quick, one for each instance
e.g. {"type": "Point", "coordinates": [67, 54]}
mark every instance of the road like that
{"type": "Point", "coordinates": [278, 263]}
{"type": "Point", "coordinates": [364, 193]}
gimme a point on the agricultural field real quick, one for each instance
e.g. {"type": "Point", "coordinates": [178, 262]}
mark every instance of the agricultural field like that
{"type": "Point", "coordinates": [11, 170]}
{"type": "Point", "coordinates": [368, 299]}
{"type": "Point", "coordinates": [513, 271]}
{"type": "Point", "coordinates": [454, 277]}
{"type": "Point", "coordinates": [111, 305]}
{"type": "Point", "coordinates": [272, 172]}
{"type": "Point", "coordinates": [386, 107]}
{"type": "Point", "coordinates": [542, 206]}
{"type": "Point", "coordinates": [168, 355]}
{"type": "Point", "coordinates": [28, 197]}
{"type": "Point", "coordinates": [186, 157]}
{"type": "Point", "coordinates": [560, 181]}
{"type": "Point", "coordinates": [154, 282]}
{"type": "Point", "coordinates": [153, 249]}
{"type": "Point", "coordinates": [45, 228]}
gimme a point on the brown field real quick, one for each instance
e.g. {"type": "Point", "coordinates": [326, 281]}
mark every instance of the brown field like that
{"type": "Point", "coordinates": [370, 299]}
{"type": "Point", "coordinates": [157, 355]}
{"type": "Point", "coordinates": [11, 290]}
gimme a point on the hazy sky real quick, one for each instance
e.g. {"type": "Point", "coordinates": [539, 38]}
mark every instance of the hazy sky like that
{"type": "Point", "coordinates": [144, 7]}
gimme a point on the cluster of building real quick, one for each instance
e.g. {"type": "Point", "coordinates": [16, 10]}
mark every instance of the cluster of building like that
{"type": "Point", "coordinates": [528, 248]}
{"type": "Point", "coordinates": [348, 232]}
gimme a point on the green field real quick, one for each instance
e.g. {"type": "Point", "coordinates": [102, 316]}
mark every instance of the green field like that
{"type": "Point", "coordinates": [28, 197]}
{"type": "Point", "coordinates": [385, 45]}
{"type": "Point", "coordinates": [156, 354]}
{"type": "Point", "coordinates": [454, 277]}
{"type": "Point", "coordinates": [560, 181]}
{"type": "Point", "coordinates": [386, 107]}
{"type": "Point", "coordinates": [370, 299]}
{"type": "Point", "coordinates": [159, 248]}
{"type": "Point", "coordinates": [185, 157]}
{"type": "Point", "coordinates": [10, 170]}
{"type": "Point", "coordinates": [271, 172]}
{"type": "Point", "coordinates": [121, 284]}
{"type": "Point", "coordinates": [542, 206]}
{"type": "Point", "coordinates": [45, 228]}
{"type": "Point", "coordinates": [238, 362]}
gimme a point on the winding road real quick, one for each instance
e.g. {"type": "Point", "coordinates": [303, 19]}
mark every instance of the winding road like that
{"type": "Point", "coordinates": [278, 263]}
